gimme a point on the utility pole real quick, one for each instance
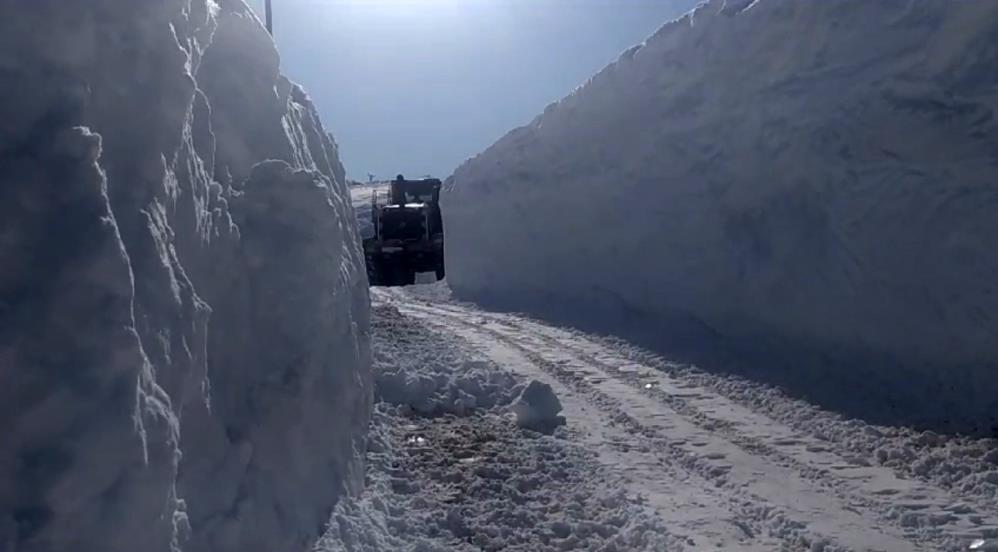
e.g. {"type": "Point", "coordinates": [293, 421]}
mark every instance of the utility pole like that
{"type": "Point", "coordinates": [270, 18]}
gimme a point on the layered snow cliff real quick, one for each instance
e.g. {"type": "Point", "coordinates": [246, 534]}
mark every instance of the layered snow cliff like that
{"type": "Point", "coordinates": [183, 304]}
{"type": "Point", "coordinates": [818, 174]}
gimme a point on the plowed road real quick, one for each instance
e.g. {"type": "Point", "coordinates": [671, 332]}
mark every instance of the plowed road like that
{"type": "Point", "coordinates": [725, 470]}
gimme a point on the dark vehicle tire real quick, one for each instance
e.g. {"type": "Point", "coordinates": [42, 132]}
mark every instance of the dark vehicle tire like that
{"type": "Point", "coordinates": [376, 273]}
{"type": "Point", "coordinates": [440, 274]}
{"type": "Point", "coordinates": [391, 276]}
{"type": "Point", "coordinates": [395, 275]}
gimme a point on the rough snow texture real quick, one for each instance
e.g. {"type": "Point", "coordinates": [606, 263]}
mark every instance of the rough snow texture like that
{"type": "Point", "coordinates": [477, 483]}
{"type": "Point", "coordinates": [447, 479]}
{"type": "Point", "coordinates": [414, 369]}
{"type": "Point", "coordinates": [815, 175]}
{"type": "Point", "coordinates": [728, 463]}
{"type": "Point", "coordinates": [183, 329]}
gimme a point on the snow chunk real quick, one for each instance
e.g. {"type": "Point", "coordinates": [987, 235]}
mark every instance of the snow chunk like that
{"type": "Point", "coordinates": [537, 408]}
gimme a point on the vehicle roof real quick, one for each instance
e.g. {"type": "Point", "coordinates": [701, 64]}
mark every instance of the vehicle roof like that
{"type": "Point", "coordinates": [426, 184]}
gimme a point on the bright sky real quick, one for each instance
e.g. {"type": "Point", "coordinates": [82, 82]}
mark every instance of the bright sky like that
{"type": "Point", "coordinates": [418, 86]}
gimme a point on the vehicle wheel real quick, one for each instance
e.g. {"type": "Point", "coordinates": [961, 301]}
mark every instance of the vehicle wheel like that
{"type": "Point", "coordinates": [395, 275]}
{"type": "Point", "coordinates": [391, 276]}
{"type": "Point", "coordinates": [380, 273]}
{"type": "Point", "coordinates": [440, 274]}
{"type": "Point", "coordinates": [408, 277]}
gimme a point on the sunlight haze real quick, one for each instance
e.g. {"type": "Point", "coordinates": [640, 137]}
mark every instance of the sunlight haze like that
{"type": "Point", "coordinates": [418, 86]}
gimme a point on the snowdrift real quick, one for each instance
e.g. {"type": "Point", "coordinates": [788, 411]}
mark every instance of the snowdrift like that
{"type": "Point", "coordinates": [819, 175]}
{"type": "Point", "coordinates": [184, 313]}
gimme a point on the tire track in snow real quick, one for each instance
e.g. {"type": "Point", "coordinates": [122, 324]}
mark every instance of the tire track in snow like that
{"type": "Point", "coordinates": [701, 464]}
{"type": "Point", "coordinates": [745, 512]}
{"type": "Point", "coordinates": [959, 510]}
{"type": "Point", "coordinates": [902, 503]}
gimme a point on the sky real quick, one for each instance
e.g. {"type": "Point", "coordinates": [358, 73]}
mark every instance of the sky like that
{"type": "Point", "coordinates": [418, 86]}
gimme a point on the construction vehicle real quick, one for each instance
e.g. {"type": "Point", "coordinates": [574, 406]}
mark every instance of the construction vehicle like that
{"type": "Point", "coordinates": [408, 233]}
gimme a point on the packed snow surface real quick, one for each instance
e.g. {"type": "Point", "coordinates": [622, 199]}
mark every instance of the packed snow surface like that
{"type": "Point", "coordinates": [183, 303]}
{"type": "Point", "coordinates": [805, 176]}
{"type": "Point", "coordinates": [466, 478]}
{"type": "Point", "coordinates": [654, 454]}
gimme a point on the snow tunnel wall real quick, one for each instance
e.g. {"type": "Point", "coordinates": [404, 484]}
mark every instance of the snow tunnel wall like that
{"type": "Point", "coordinates": [821, 174]}
{"type": "Point", "coordinates": [184, 343]}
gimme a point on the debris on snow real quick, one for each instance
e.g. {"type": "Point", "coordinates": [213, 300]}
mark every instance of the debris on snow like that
{"type": "Point", "coordinates": [476, 484]}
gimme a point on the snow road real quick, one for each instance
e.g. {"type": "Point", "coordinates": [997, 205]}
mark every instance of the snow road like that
{"type": "Point", "coordinates": [726, 466]}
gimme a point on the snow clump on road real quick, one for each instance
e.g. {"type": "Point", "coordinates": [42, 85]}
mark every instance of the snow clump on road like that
{"type": "Point", "coordinates": [537, 408]}
{"type": "Point", "coordinates": [418, 370]}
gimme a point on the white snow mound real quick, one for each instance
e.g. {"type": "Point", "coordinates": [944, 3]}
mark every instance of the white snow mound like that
{"type": "Point", "coordinates": [183, 301]}
{"type": "Point", "coordinates": [820, 174]}
{"type": "Point", "coordinates": [537, 408]}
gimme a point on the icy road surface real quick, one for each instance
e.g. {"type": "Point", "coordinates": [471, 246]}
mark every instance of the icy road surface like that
{"type": "Point", "coordinates": [729, 465]}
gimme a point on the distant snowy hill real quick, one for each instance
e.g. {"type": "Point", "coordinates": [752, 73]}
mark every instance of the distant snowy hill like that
{"type": "Point", "coordinates": [817, 174]}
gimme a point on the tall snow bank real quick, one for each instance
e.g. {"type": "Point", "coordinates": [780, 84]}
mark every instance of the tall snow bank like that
{"type": "Point", "coordinates": [183, 304]}
{"type": "Point", "coordinates": [817, 174]}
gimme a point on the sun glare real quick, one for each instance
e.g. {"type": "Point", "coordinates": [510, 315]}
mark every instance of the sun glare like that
{"type": "Point", "coordinates": [408, 8]}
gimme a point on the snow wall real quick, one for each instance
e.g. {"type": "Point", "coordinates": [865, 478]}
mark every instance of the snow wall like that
{"type": "Point", "coordinates": [184, 343]}
{"type": "Point", "coordinates": [821, 175]}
